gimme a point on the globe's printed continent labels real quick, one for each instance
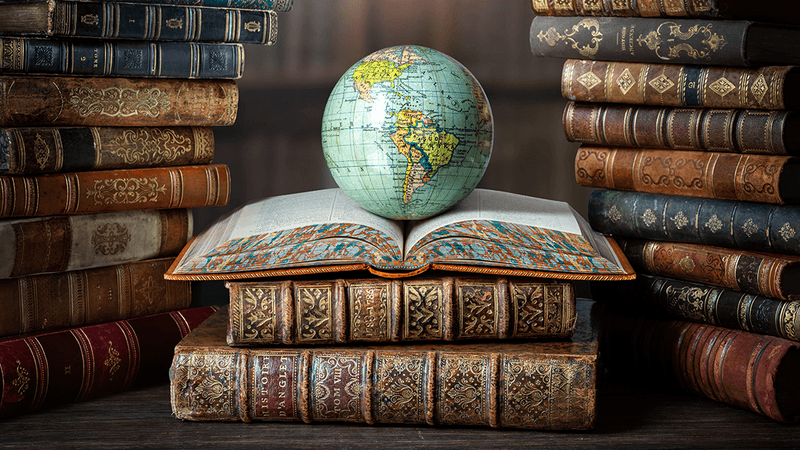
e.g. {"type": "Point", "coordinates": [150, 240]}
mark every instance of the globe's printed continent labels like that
{"type": "Point", "coordinates": [407, 132]}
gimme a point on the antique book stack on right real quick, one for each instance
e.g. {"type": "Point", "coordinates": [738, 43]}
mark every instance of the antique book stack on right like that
{"type": "Point", "coordinates": [685, 111]}
{"type": "Point", "coordinates": [106, 143]}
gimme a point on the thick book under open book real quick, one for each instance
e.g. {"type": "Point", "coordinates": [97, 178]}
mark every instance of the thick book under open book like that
{"type": "Point", "coordinates": [489, 232]}
{"type": "Point", "coordinates": [543, 385]}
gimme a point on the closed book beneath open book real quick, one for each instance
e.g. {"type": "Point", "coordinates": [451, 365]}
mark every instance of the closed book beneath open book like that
{"type": "Point", "coordinates": [323, 231]}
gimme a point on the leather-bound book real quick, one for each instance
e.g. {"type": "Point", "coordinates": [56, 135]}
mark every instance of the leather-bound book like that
{"type": "Point", "coordinates": [697, 302]}
{"type": "Point", "coordinates": [770, 274]}
{"type": "Point", "coordinates": [714, 130]}
{"type": "Point", "coordinates": [327, 311]}
{"type": "Point", "coordinates": [726, 176]}
{"type": "Point", "coordinates": [767, 87]}
{"type": "Point", "coordinates": [39, 370]}
{"type": "Point", "coordinates": [744, 225]}
{"type": "Point", "coordinates": [136, 21]}
{"type": "Point", "coordinates": [271, 5]}
{"type": "Point", "coordinates": [63, 243]}
{"type": "Point", "coordinates": [665, 40]}
{"type": "Point", "coordinates": [114, 190]}
{"type": "Point", "coordinates": [121, 58]}
{"type": "Point", "coordinates": [28, 101]}
{"type": "Point", "coordinates": [522, 384]}
{"type": "Point", "coordinates": [84, 297]}
{"type": "Point", "coordinates": [34, 150]}
{"type": "Point", "coordinates": [746, 370]}
{"type": "Point", "coordinates": [763, 11]}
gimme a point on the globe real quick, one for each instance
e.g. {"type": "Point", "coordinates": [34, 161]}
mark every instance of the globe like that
{"type": "Point", "coordinates": [407, 132]}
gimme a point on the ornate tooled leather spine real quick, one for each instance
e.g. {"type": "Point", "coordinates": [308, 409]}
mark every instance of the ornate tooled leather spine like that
{"type": "Point", "coordinates": [716, 130]}
{"type": "Point", "coordinates": [724, 223]}
{"type": "Point", "coordinates": [44, 369]}
{"type": "Point", "coordinates": [383, 310]}
{"type": "Point", "coordinates": [626, 8]}
{"type": "Point", "coordinates": [674, 84]}
{"type": "Point", "coordinates": [750, 272]}
{"type": "Point", "coordinates": [743, 369]}
{"type": "Point", "coordinates": [752, 178]}
{"type": "Point", "coordinates": [106, 101]}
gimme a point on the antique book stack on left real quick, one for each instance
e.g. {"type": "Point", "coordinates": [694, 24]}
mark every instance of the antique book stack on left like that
{"type": "Point", "coordinates": [686, 115]}
{"type": "Point", "coordinates": [106, 142]}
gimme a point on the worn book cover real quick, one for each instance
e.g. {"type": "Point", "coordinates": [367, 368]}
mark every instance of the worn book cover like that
{"type": "Point", "coordinates": [488, 232]}
{"type": "Point", "coordinates": [524, 384]}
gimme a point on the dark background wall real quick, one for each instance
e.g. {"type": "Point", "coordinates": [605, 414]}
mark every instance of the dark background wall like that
{"type": "Point", "coordinates": [275, 148]}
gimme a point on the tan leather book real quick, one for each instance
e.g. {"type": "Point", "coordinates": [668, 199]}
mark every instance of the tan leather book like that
{"type": "Point", "coordinates": [61, 243]}
{"type": "Point", "coordinates": [427, 308]}
{"type": "Point", "coordinates": [27, 101]}
{"type": "Point", "coordinates": [114, 190]}
{"type": "Point", "coordinates": [522, 384]}
{"type": "Point", "coordinates": [767, 87]}
{"type": "Point", "coordinates": [33, 150]}
{"type": "Point", "coordinates": [726, 176]}
{"type": "Point", "coordinates": [85, 297]}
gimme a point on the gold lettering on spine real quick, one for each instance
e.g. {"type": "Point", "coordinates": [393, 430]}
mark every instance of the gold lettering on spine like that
{"type": "Point", "coordinates": [369, 311]}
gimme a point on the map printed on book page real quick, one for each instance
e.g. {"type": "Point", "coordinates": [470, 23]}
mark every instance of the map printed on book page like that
{"type": "Point", "coordinates": [324, 231]}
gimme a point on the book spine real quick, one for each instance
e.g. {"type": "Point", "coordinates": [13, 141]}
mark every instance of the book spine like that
{"type": "Point", "coordinates": [36, 150]}
{"type": "Point", "coordinates": [102, 101]}
{"type": "Point", "coordinates": [750, 272]}
{"type": "Point", "coordinates": [121, 58]}
{"type": "Point", "coordinates": [114, 190]}
{"type": "Point", "coordinates": [42, 370]}
{"type": "Point", "coordinates": [383, 310]}
{"type": "Point", "coordinates": [260, 5]}
{"type": "Point", "coordinates": [627, 8]}
{"type": "Point", "coordinates": [723, 223]}
{"type": "Point", "coordinates": [675, 85]}
{"type": "Point", "coordinates": [697, 302]}
{"type": "Point", "coordinates": [389, 386]}
{"type": "Point", "coordinates": [743, 369]}
{"type": "Point", "coordinates": [65, 243]}
{"type": "Point", "coordinates": [146, 22]}
{"type": "Point", "coordinates": [644, 40]}
{"type": "Point", "coordinates": [85, 297]}
{"type": "Point", "coordinates": [728, 176]}
{"type": "Point", "coordinates": [716, 130]}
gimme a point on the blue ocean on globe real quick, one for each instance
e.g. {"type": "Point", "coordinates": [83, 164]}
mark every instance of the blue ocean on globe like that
{"type": "Point", "coordinates": [407, 132]}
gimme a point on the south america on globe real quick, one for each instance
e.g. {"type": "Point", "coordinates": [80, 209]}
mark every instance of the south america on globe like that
{"type": "Point", "coordinates": [407, 132]}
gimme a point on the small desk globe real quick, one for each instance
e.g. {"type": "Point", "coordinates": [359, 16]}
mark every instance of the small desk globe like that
{"type": "Point", "coordinates": [407, 132]}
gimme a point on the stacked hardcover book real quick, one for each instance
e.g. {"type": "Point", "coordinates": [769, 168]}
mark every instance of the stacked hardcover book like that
{"type": "Point", "coordinates": [106, 143]}
{"type": "Point", "coordinates": [335, 314]}
{"type": "Point", "coordinates": [687, 122]}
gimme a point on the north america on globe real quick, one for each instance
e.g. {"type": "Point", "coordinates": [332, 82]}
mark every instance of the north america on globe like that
{"type": "Point", "coordinates": [407, 132]}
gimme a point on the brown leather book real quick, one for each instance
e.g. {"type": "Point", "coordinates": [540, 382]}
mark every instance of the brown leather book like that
{"type": "Point", "coordinates": [114, 190]}
{"type": "Point", "coordinates": [33, 150]}
{"type": "Point", "coordinates": [770, 274]}
{"type": "Point", "coordinates": [747, 370]}
{"type": "Point", "coordinates": [726, 176]}
{"type": "Point", "coordinates": [85, 297]}
{"type": "Point", "coordinates": [762, 11]}
{"type": "Point", "coordinates": [768, 87]}
{"type": "Point", "coordinates": [327, 311]}
{"type": "Point", "coordinates": [62, 243]}
{"type": "Point", "coordinates": [44, 369]}
{"type": "Point", "coordinates": [716, 130]}
{"type": "Point", "coordinates": [525, 384]}
{"type": "Point", "coordinates": [27, 101]}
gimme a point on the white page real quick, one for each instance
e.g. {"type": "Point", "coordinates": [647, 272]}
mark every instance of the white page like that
{"type": "Point", "coordinates": [484, 204]}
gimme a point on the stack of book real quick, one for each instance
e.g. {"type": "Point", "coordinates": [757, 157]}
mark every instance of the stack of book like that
{"type": "Point", "coordinates": [466, 318]}
{"type": "Point", "coordinates": [688, 123]}
{"type": "Point", "coordinates": [106, 111]}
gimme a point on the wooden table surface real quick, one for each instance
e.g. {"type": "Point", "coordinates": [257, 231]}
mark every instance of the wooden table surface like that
{"type": "Point", "coordinates": [630, 414]}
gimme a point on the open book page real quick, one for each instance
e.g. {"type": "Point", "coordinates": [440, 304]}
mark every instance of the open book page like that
{"type": "Point", "coordinates": [289, 230]}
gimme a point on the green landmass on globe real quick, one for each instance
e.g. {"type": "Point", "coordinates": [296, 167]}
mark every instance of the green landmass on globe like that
{"type": "Point", "coordinates": [407, 132]}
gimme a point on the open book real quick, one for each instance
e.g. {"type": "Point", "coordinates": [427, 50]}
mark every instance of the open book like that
{"type": "Point", "coordinates": [325, 231]}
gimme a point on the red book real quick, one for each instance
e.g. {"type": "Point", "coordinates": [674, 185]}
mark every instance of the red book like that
{"type": "Point", "coordinates": [44, 369]}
